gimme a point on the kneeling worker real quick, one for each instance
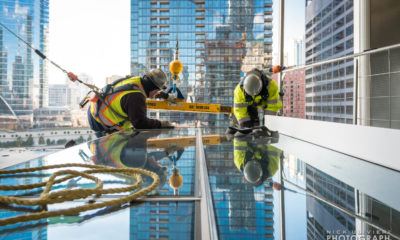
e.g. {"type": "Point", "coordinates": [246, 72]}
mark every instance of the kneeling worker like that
{"type": "Point", "coordinates": [123, 105]}
{"type": "Point", "coordinates": [256, 90]}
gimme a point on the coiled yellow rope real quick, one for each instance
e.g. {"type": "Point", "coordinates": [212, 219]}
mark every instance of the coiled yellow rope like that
{"type": "Point", "coordinates": [48, 197]}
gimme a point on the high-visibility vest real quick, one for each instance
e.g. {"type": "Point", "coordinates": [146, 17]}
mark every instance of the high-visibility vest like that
{"type": "Point", "coordinates": [110, 113]}
{"type": "Point", "coordinates": [107, 151]}
{"type": "Point", "coordinates": [244, 152]}
{"type": "Point", "coordinates": [241, 101]}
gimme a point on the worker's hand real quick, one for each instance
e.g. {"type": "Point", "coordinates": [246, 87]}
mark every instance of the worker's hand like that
{"type": "Point", "coordinates": [161, 94]}
{"type": "Point", "coordinates": [166, 124]}
{"type": "Point", "coordinates": [276, 186]}
{"type": "Point", "coordinates": [277, 69]}
{"type": "Point", "coordinates": [172, 149]}
{"type": "Point", "coordinates": [167, 96]}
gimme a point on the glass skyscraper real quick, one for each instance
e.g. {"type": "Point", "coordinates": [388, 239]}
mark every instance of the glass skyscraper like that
{"type": "Point", "coordinates": [329, 34]}
{"type": "Point", "coordinates": [20, 68]}
{"type": "Point", "coordinates": [219, 40]}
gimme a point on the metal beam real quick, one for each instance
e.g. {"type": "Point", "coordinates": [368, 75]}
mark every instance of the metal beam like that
{"type": "Point", "coordinates": [208, 225]}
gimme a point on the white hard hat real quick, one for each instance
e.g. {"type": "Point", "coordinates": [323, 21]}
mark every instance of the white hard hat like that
{"type": "Point", "coordinates": [157, 77]}
{"type": "Point", "coordinates": [253, 171]}
{"type": "Point", "coordinates": [252, 84]}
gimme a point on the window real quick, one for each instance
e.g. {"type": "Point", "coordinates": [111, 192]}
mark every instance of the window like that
{"type": "Point", "coordinates": [349, 30]}
{"type": "Point", "coordinates": [349, 44]}
{"type": "Point", "coordinates": [338, 24]}
{"type": "Point", "coordinates": [338, 48]}
{"type": "Point", "coordinates": [349, 17]}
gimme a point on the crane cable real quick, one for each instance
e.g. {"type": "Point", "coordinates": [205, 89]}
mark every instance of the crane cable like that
{"type": "Point", "coordinates": [73, 77]}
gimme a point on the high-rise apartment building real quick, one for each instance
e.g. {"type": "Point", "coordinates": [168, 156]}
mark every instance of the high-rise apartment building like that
{"type": "Point", "coordinates": [329, 34]}
{"type": "Point", "coordinates": [298, 52]}
{"type": "Point", "coordinates": [219, 40]}
{"type": "Point", "coordinates": [20, 68]}
{"type": "Point", "coordinates": [294, 98]}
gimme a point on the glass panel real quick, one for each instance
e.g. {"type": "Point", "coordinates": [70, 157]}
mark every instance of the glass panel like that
{"type": "Point", "coordinates": [155, 220]}
{"type": "Point", "coordinates": [240, 171]}
{"type": "Point", "coordinates": [330, 194]}
{"type": "Point", "coordinates": [160, 151]}
{"type": "Point", "coordinates": [326, 193]}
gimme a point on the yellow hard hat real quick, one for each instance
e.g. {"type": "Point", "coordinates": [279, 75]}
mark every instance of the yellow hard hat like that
{"type": "Point", "coordinates": [175, 67]}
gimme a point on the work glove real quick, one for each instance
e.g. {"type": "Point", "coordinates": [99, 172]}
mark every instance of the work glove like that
{"type": "Point", "coordinates": [166, 124]}
{"type": "Point", "coordinates": [277, 69]}
{"type": "Point", "coordinates": [167, 96]}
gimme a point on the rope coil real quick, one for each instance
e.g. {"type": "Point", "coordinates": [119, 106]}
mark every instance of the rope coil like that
{"type": "Point", "coordinates": [47, 197]}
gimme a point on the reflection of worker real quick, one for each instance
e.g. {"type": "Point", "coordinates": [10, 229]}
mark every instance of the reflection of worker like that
{"type": "Point", "coordinates": [130, 150]}
{"type": "Point", "coordinates": [256, 90]}
{"type": "Point", "coordinates": [256, 161]}
{"type": "Point", "coordinates": [124, 104]}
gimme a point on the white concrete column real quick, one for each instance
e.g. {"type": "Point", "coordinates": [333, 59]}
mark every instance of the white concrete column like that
{"type": "Point", "coordinates": [361, 43]}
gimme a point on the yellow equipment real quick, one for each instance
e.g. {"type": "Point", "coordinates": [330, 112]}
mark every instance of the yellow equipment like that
{"type": "Point", "coordinates": [184, 141]}
{"type": "Point", "coordinates": [188, 107]}
{"type": "Point", "coordinates": [175, 181]}
{"type": "Point", "coordinates": [176, 67]}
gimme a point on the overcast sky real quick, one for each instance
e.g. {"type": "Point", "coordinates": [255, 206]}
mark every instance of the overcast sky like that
{"type": "Point", "coordinates": [93, 36]}
{"type": "Point", "coordinates": [89, 36]}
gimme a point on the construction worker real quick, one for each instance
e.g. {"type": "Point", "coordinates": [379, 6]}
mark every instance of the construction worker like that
{"type": "Point", "coordinates": [257, 161]}
{"type": "Point", "coordinates": [123, 104]}
{"type": "Point", "coordinates": [129, 149]}
{"type": "Point", "coordinates": [256, 91]}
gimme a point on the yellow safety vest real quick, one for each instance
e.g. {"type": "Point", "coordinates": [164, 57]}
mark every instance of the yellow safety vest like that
{"type": "Point", "coordinates": [108, 117]}
{"type": "Point", "coordinates": [241, 147]}
{"type": "Point", "coordinates": [108, 150]}
{"type": "Point", "coordinates": [271, 106]}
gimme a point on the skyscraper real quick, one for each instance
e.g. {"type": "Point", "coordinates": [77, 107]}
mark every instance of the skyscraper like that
{"type": "Point", "coordinates": [19, 67]}
{"type": "Point", "coordinates": [329, 34]}
{"type": "Point", "coordinates": [218, 42]}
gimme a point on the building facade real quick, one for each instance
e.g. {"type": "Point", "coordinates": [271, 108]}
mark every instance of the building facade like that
{"type": "Point", "coordinates": [294, 98]}
{"type": "Point", "coordinates": [219, 40]}
{"type": "Point", "coordinates": [329, 34]}
{"type": "Point", "coordinates": [20, 68]}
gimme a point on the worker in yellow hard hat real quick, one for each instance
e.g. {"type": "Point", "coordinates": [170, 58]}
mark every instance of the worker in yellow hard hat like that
{"type": "Point", "coordinates": [257, 161]}
{"type": "Point", "coordinates": [122, 104]}
{"type": "Point", "coordinates": [256, 91]}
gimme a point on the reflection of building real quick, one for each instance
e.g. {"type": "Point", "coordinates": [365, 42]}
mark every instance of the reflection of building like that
{"type": "Point", "coordinates": [38, 232]}
{"type": "Point", "coordinates": [225, 33]}
{"type": "Point", "coordinates": [19, 69]}
{"type": "Point", "coordinates": [378, 213]}
{"type": "Point", "coordinates": [240, 209]}
{"type": "Point", "coordinates": [294, 99]}
{"type": "Point", "coordinates": [162, 220]}
{"type": "Point", "coordinates": [323, 219]}
{"type": "Point", "coordinates": [329, 34]}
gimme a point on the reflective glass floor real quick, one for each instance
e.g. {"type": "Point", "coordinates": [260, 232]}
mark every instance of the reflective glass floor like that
{"type": "Point", "coordinates": [240, 188]}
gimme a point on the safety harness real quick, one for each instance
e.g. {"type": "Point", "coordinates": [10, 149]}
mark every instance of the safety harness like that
{"type": "Point", "coordinates": [100, 98]}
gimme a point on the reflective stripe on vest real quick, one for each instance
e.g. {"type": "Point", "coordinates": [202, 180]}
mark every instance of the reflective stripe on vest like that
{"type": "Point", "coordinates": [110, 117]}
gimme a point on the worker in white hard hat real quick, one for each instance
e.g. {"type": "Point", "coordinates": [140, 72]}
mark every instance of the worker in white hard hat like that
{"type": "Point", "coordinates": [257, 161]}
{"type": "Point", "coordinates": [256, 91]}
{"type": "Point", "coordinates": [123, 103]}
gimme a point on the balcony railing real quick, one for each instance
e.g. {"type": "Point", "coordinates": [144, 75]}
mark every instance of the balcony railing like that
{"type": "Point", "coordinates": [361, 88]}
